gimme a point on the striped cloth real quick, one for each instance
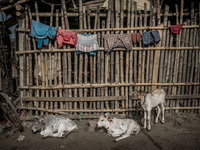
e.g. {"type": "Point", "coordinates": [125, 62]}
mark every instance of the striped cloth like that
{"type": "Point", "coordinates": [87, 43]}
{"type": "Point", "coordinates": [117, 41]}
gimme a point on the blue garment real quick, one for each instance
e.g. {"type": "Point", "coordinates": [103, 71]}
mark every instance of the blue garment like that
{"type": "Point", "coordinates": [42, 32]}
{"type": "Point", "coordinates": [147, 38]}
{"type": "Point", "coordinates": [156, 36]}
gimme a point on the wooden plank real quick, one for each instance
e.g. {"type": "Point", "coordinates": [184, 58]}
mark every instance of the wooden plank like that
{"type": "Point", "coordinates": [178, 96]}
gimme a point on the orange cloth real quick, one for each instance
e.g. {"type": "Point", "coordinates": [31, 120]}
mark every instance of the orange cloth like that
{"type": "Point", "coordinates": [138, 35]}
{"type": "Point", "coordinates": [133, 35]}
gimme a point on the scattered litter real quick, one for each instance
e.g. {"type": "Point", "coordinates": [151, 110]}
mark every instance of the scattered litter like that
{"type": "Point", "coordinates": [21, 137]}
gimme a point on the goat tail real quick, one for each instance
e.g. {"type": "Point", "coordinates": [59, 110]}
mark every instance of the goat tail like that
{"type": "Point", "coordinates": [138, 130]}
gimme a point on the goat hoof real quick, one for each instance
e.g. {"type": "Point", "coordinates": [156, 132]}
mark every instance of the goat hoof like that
{"type": "Point", "coordinates": [115, 141]}
{"type": "Point", "coordinates": [162, 122]}
{"type": "Point", "coordinates": [156, 122]}
{"type": "Point", "coordinates": [148, 129]}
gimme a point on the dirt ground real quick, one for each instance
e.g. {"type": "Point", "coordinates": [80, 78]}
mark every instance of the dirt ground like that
{"type": "Point", "coordinates": [180, 131]}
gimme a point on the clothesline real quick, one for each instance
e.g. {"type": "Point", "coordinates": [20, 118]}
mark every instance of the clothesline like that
{"type": "Point", "coordinates": [116, 29]}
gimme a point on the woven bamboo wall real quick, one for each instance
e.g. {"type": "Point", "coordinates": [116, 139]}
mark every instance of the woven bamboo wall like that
{"type": "Point", "coordinates": [91, 85]}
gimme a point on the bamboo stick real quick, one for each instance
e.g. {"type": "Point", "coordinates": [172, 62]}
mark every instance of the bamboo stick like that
{"type": "Point", "coordinates": [163, 44]}
{"type": "Point", "coordinates": [91, 58]}
{"type": "Point", "coordinates": [140, 56]}
{"type": "Point", "coordinates": [183, 39]}
{"type": "Point", "coordinates": [191, 53]}
{"type": "Point", "coordinates": [175, 73]}
{"type": "Point", "coordinates": [80, 55]}
{"type": "Point", "coordinates": [55, 63]}
{"type": "Point", "coordinates": [102, 66]}
{"type": "Point", "coordinates": [85, 55]}
{"type": "Point", "coordinates": [117, 24]}
{"type": "Point", "coordinates": [65, 25]}
{"type": "Point", "coordinates": [107, 55]}
{"type": "Point", "coordinates": [185, 58]}
{"type": "Point", "coordinates": [50, 58]}
{"type": "Point", "coordinates": [40, 58]}
{"type": "Point", "coordinates": [109, 85]}
{"type": "Point", "coordinates": [112, 55]}
{"type": "Point", "coordinates": [36, 65]}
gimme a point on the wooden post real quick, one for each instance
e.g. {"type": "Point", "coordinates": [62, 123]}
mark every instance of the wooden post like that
{"type": "Point", "coordinates": [102, 65]}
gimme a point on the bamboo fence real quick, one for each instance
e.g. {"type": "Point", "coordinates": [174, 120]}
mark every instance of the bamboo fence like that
{"type": "Point", "coordinates": [58, 81]}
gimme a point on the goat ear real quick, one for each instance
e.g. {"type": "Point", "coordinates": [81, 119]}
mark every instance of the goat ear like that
{"type": "Point", "coordinates": [134, 93]}
{"type": "Point", "coordinates": [36, 117]}
{"type": "Point", "coordinates": [106, 115]}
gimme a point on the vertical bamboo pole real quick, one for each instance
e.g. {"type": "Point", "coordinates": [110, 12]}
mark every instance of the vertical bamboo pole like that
{"type": "Point", "coordinates": [191, 63]}
{"type": "Point", "coordinates": [67, 62]}
{"type": "Point", "coordinates": [193, 67]}
{"type": "Point", "coordinates": [29, 80]}
{"type": "Point", "coordinates": [80, 55]}
{"type": "Point", "coordinates": [152, 23]}
{"type": "Point", "coordinates": [112, 73]}
{"type": "Point", "coordinates": [56, 62]}
{"type": "Point", "coordinates": [102, 65]}
{"type": "Point", "coordinates": [108, 22]}
{"type": "Point", "coordinates": [64, 24]}
{"type": "Point", "coordinates": [181, 63]}
{"type": "Point", "coordinates": [50, 58]}
{"type": "Point", "coordinates": [127, 55]}
{"type": "Point", "coordinates": [121, 52]}
{"type": "Point", "coordinates": [163, 44]}
{"type": "Point", "coordinates": [91, 61]}
{"type": "Point", "coordinates": [116, 56]}
{"type": "Point", "coordinates": [176, 60]}
{"type": "Point", "coordinates": [85, 55]}
{"type": "Point", "coordinates": [140, 54]}
{"type": "Point", "coordinates": [98, 58]}
{"type": "Point", "coordinates": [135, 56]}
{"type": "Point", "coordinates": [185, 58]}
{"type": "Point", "coordinates": [36, 66]}
{"type": "Point", "coordinates": [42, 61]}
{"type": "Point", "coordinates": [131, 60]}
{"type": "Point", "coordinates": [144, 52]}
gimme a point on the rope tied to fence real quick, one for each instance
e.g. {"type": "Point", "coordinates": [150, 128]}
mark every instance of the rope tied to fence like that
{"type": "Point", "coordinates": [84, 128]}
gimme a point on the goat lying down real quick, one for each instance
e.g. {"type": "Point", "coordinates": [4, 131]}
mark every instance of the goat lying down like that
{"type": "Point", "coordinates": [53, 126]}
{"type": "Point", "coordinates": [118, 127]}
{"type": "Point", "coordinates": [149, 100]}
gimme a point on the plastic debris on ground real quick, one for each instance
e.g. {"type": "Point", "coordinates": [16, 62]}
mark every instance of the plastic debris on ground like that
{"type": "Point", "coordinates": [21, 137]}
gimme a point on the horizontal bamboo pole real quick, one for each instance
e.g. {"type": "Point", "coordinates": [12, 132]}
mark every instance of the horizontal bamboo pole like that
{"type": "Point", "coordinates": [71, 86]}
{"type": "Point", "coordinates": [13, 5]}
{"type": "Point", "coordinates": [117, 29]}
{"type": "Point", "coordinates": [105, 98]}
{"type": "Point", "coordinates": [72, 116]}
{"type": "Point", "coordinates": [46, 14]}
{"type": "Point", "coordinates": [115, 110]}
{"type": "Point", "coordinates": [101, 49]}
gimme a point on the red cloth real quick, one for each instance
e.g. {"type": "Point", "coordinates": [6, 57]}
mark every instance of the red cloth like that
{"type": "Point", "coordinates": [138, 35]}
{"type": "Point", "coordinates": [67, 37]}
{"type": "Point", "coordinates": [176, 28]}
{"type": "Point", "coordinates": [134, 37]}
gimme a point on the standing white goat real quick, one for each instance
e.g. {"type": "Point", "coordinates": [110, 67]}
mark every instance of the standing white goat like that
{"type": "Point", "coordinates": [150, 100]}
{"type": "Point", "coordinates": [118, 127]}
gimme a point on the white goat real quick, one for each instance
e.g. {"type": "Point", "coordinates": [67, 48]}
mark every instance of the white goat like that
{"type": "Point", "coordinates": [118, 127]}
{"type": "Point", "coordinates": [150, 100]}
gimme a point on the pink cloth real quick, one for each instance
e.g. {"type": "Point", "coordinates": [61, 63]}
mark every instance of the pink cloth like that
{"type": "Point", "coordinates": [67, 37]}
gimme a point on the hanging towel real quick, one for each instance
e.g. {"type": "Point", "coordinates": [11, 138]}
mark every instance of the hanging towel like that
{"type": "Point", "coordinates": [117, 40]}
{"type": "Point", "coordinates": [133, 35]}
{"type": "Point", "coordinates": [176, 28]}
{"type": "Point", "coordinates": [41, 31]}
{"type": "Point", "coordinates": [147, 38]}
{"type": "Point", "coordinates": [87, 43]}
{"type": "Point", "coordinates": [138, 35]}
{"type": "Point", "coordinates": [155, 34]}
{"type": "Point", "coordinates": [67, 37]}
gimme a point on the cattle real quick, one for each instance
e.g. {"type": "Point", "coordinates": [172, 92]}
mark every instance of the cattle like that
{"type": "Point", "coordinates": [155, 98]}
{"type": "Point", "coordinates": [53, 126]}
{"type": "Point", "coordinates": [118, 127]}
